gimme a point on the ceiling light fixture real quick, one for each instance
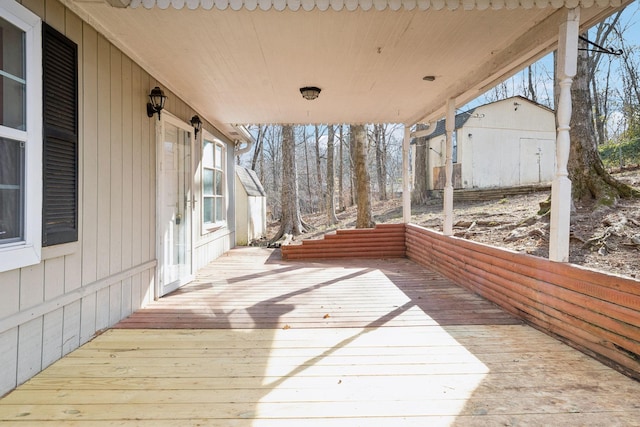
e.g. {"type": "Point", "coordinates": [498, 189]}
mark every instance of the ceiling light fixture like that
{"type": "Point", "coordinates": [310, 92]}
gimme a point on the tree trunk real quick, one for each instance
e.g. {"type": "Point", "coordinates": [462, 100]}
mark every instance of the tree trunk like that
{"type": "Point", "coordinates": [600, 108]}
{"type": "Point", "coordinates": [363, 186]}
{"type": "Point", "coordinates": [420, 193]}
{"type": "Point", "coordinates": [258, 148]}
{"type": "Point", "coordinates": [306, 160]}
{"type": "Point", "coordinates": [532, 89]}
{"type": "Point", "coordinates": [378, 135]}
{"type": "Point", "coordinates": [331, 205]}
{"type": "Point", "coordinates": [341, 172]}
{"type": "Point", "coordinates": [352, 167]}
{"type": "Point", "coordinates": [261, 161]}
{"type": "Point", "coordinates": [276, 155]}
{"type": "Point", "coordinates": [318, 183]}
{"type": "Point", "coordinates": [589, 178]}
{"type": "Point", "coordinates": [291, 220]}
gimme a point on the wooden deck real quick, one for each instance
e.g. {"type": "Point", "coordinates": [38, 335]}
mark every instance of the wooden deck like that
{"type": "Point", "coordinates": [256, 341]}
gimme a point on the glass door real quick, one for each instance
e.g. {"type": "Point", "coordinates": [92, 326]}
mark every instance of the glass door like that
{"type": "Point", "coordinates": [175, 207]}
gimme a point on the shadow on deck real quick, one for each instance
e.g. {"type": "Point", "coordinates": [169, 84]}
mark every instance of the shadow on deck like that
{"type": "Point", "coordinates": [257, 341]}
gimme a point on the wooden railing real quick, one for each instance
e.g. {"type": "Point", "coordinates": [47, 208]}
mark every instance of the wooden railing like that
{"type": "Point", "coordinates": [597, 313]}
{"type": "Point", "coordinates": [383, 241]}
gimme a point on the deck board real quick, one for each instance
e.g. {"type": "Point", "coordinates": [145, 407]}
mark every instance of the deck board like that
{"type": "Point", "coordinates": [249, 344]}
{"type": "Point", "coordinates": [271, 293]}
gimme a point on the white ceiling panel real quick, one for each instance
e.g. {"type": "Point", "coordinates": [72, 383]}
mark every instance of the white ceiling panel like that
{"type": "Point", "coordinates": [246, 66]}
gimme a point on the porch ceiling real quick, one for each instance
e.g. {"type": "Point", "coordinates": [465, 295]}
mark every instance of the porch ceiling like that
{"type": "Point", "coordinates": [246, 66]}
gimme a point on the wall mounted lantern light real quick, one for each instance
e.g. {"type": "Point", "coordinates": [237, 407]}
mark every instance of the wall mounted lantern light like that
{"type": "Point", "coordinates": [157, 98]}
{"type": "Point", "coordinates": [197, 125]}
{"type": "Point", "coordinates": [310, 92]}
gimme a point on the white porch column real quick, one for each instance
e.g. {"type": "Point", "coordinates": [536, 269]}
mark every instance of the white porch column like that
{"type": "Point", "coordinates": [406, 187]}
{"type": "Point", "coordinates": [450, 120]}
{"type": "Point", "coordinates": [561, 186]}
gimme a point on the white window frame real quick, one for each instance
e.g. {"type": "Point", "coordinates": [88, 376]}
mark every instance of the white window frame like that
{"type": "Point", "coordinates": [208, 227]}
{"type": "Point", "coordinates": [28, 251]}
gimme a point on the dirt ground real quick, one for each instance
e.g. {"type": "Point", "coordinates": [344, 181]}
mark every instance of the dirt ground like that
{"type": "Point", "coordinates": [605, 239]}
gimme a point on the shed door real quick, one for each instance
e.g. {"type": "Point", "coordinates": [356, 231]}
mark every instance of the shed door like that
{"type": "Point", "coordinates": [175, 199]}
{"type": "Point", "coordinates": [537, 160]}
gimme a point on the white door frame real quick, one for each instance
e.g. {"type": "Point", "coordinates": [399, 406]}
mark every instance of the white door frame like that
{"type": "Point", "coordinates": [160, 286]}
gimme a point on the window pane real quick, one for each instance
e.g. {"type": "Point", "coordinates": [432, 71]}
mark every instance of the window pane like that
{"type": "Point", "coordinates": [207, 154]}
{"type": "Point", "coordinates": [207, 182]}
{"type": "Point", "coordinates": [207, 211]}
{"type": "Point", "coordinates": [12, 71]}
{"type": "Point", "coordinates": [218, 183]}
{"type": "Point", "coordinates": [218, 157]}
{"type": "Point", "coordinates": [11, 190]}
{"type": "Point", "coordinates": [219, 212]}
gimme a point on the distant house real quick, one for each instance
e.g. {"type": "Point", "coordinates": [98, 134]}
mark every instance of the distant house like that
{"type": "Point", "coordinates": [505, 143]}
{"type": "Point", "coordinates": [251, 207]}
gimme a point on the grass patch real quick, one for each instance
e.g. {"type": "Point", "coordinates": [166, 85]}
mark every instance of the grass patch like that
{"type": "Point", "coordinates": [618, 155]}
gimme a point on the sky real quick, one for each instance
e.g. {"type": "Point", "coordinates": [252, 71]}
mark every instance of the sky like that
{"type": "Point", "coordinates": [630, 20]}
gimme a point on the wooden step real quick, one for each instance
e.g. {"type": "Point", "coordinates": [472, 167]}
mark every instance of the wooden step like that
{"type": "Point", "coordinates": [383, 241]}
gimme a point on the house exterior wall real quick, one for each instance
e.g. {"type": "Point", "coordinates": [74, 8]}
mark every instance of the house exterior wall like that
{"type": "Point", "coordinates": [503, 146]}
{"type": "Point", "coordinates": [209, 245]}
{"type": "Point", "coordinates": [80, 288]}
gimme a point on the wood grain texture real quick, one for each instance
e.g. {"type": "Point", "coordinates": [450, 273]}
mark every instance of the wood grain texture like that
{"type": "Point", "coordinates": [596, 312]}
{"type": "Point", "coordinates": [232, 293]}
{"type": "Point", "coordinates": [383, 241]}
{"type": "Point", "coordinates": [401, 346]}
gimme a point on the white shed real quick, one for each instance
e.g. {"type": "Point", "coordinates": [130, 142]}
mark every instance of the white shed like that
{"type": "Point", "coordinates": [251, 207]}
{"type": "Point", "coordinates": [506, 143]}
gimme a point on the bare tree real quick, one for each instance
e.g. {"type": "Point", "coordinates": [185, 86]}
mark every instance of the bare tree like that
{"type": "Point", "coordinates": [257, 152]}
{"type": "Point", "coordinates": [291, 220]}
{"type": "Point", "coordinates": [420, 193]}
{"type": "Point", "coordinates": [331, 205]}
{"type": "Point", "coordinates": [531, 88]}
{"type": "Point", "coordinates": [601, 106]}
{"type": "Point", "coordinates": [593, 58]}
{"type": "Point", "coordinates": [589, 178]}
{"type": "Point", "coordinates": [272, 149]}
{"type": "Point", "coordinates": [308, 206]}
{"type": "Point", "coordinates": [318, 184]}
{"type": "Point", "coordinates": [380, 143]}
{"type": "Point", "coordinates": [364, 217]}
{"type": "Point", "coordinates": [352, 166]}
{"type": "Point", "coordinates": [631, 86]}
{"type": "Point", "coordinates": [341, 170]}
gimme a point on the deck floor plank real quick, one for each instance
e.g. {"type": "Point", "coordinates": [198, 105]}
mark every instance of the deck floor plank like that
{"type": "Point", "coordinates": [255, 341]}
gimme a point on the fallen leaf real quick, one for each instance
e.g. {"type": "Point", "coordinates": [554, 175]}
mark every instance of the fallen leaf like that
{"type": "Point", "coordinates": [326, 316]}
{"type": "Point", "coordinates": [285, 327]}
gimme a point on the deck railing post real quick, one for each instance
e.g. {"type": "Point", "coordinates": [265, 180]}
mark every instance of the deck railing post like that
{"type": "Point", "coordinates": [561, 186]}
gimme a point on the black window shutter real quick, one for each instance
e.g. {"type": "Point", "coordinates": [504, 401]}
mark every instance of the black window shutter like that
{"type": "Point", "coordinates": [60, 145]}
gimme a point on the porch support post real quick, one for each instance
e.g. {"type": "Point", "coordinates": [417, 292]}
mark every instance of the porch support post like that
{"type": "Point", "coordinates": [406, 187]}
{"type": "Point", "coordinates": [561, 186]}
{"type": "Point", "coordinates": [450, 119]}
